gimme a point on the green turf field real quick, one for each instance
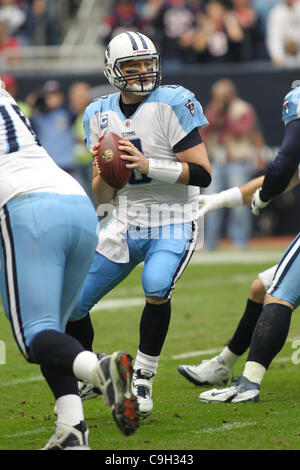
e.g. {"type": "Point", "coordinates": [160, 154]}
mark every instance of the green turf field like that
{"type": "Point", "coordinates": [207, 304]}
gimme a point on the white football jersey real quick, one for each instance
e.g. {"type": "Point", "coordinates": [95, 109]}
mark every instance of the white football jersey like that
{"type": "Point", "coordinates": [163, 118]}
{"type": "Point", "coordinates": [25, 166]}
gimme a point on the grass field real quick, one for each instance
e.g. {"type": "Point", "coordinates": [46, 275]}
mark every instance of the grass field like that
{"type": "Point", "coordinates": [207, 303]}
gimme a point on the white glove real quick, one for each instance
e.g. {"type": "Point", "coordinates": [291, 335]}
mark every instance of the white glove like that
{"type": "Point", "coordinates": [230, 198]}
{"type": "Point", "coordinates": [257, 204]}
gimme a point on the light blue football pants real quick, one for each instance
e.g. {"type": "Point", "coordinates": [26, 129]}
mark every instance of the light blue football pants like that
{"type": "Point", "coordinates": [47, 244]}
{"type": "Point", "coordinates": [286, 280]}
{"type": "Point", "coordinates": [165, 259]}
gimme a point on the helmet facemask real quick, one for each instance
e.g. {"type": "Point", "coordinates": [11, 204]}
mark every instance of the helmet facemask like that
{"type": "Point", "coordinates": [145, 82]}
{"type": "Point", "coordinates": [124, 48]}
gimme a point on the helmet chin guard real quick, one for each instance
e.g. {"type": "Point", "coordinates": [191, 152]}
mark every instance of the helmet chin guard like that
{"type": "Point", "coordinates": [132, 46]}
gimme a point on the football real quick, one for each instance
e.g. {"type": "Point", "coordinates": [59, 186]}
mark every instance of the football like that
{"type": "Point", "coordinates": [111, 167]}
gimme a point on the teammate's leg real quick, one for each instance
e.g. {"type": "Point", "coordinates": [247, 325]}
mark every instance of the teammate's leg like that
{"type": "Point", "coordinates": [217, 370]}
{"type": "Point", "coordinates": [35, 312]}
{"type": "Point", "coordinates": [283, 296]}
{"type": "Point", "coordinates": [269, 336]}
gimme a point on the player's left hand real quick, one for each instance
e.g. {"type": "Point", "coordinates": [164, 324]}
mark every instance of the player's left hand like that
{"type": "Point", "coordinates": [257, 204]}
{"type": "Point", "coordinates": [231, 197]}
{"type": "Point", "coordinates": [135, 158]}
{"type": "Point", "coordinates": [210, 202]}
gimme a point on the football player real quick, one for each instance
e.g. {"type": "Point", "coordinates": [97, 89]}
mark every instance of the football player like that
{"type": "Point", "coordinates": [218, 370]}
{"type": "Point", "coordinates": [155, 216]}
{"type": "Point", "coordinates": [283, 294]}
{"type": "Point", "coordinates": [48, 238]}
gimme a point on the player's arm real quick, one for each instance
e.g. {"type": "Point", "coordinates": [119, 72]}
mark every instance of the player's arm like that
{"type": "Point", "coordinates": [192, 166]}
{"type": "Point", "coordinates": [238, 196]}
{"type": "Point", "coordinates": [249, 188]}
{"type": "Point", "coordinates": [102, 191]}
{"type": "Point", "coordinates": [281, 169]}
{"type": "Point", "coordinates": [192, 155]}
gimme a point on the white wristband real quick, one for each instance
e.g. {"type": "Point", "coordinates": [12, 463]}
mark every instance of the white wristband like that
{"type": "Point", "coordinates": [232, 197]}
{"type": "Point", "coordinates": [164, 171]}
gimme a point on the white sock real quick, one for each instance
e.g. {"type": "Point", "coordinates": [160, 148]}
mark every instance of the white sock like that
{"type": "Point", "coordinates": [143, 361]}
{"type": "Point", "coordinates": [84, 364]}
{"type": "Point", "coordinates": [69, 410]}
{"type": "Point", "coordinates": [229, 357]}
{"type": "Point", "coordinates": [254, 371]}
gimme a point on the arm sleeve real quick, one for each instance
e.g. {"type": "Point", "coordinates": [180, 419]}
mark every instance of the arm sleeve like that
{"type": "Point", "coordinates": [189, 141]}
{"type": "Point", "coordinates": [180, 114]}
{"type": "Point", "coordinates": [286, 162]}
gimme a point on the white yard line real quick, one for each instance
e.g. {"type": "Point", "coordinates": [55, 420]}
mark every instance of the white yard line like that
{"type": "Point", "coordinates": [237, 257]}
{"type": "Point", "coordinates": [234, 257]}
{"type": "Point", "coordinates": [126, 302]}
{"type": "Point", "coordinates": [36, 378]}
{"type": "Point", "coordinates": [201, 352]}
{"type": "Point", "coordinates": [225, 427]}
{"type": "Point", "coordinates": [118, 303]}
{"type": "Point", "coordinates": [207, 352]}
{"type": "Point", "coordinates": [28, 433]}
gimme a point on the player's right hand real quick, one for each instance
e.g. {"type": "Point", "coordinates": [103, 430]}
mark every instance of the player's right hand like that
{"type": "Point", "coordinates": [96, 146]}
{"type": "Point", "coordinates": [257, 204]}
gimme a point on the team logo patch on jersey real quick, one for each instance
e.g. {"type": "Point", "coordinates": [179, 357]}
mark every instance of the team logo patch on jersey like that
{"type": "Point", "coordinates": [190, 106]}
{"type": "Point", "coordinates": [286, 106]}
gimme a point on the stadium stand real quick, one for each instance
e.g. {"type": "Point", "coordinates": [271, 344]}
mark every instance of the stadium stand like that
{"type": "Point", "coordinates": [65, 41]}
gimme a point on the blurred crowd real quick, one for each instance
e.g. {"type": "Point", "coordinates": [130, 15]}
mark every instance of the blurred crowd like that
{"type": "Point", "coordinates": [212, 31]}
{"type": "Point", "coordinates": [34, 22]}
{"type": "Point", "coordinates": [186, 31]}
{"type": "Point", "coordinates": [234, 140]}
{"type": "Point", "coordinates": [238, 152]}
{"type": "Point", "coordinates": [56, 117]}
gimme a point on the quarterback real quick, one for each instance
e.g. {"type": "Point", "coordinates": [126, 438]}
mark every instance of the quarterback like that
{"type": "Point", "coordinates": [159, 129]}
{"type": "Point", "coordinates": [48, 238]}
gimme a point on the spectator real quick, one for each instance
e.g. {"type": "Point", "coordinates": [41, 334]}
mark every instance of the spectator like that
{"type": "Point", "coordinates": [122, 17]}
{"type": "Point", "coordinates": [79, 99]}
{"type": "Point", "coordinates": [52, 123]}
{"type": "Point", "coordinates": [175, 20]}
{"type": "Point", "coordinates": [253, 46]}
{"type": "Point", "coordinates": [218, 37]}
{"type": "Point", "coordinates": [43, 25]}
{"type": "Point", "coordinates": [229, 140]}
{"type": "Point", "coordinates": [263, 9]}
{"type": "Point", "coordinates": [9, 46]}
{"type": "Point", "coordinates": [12, 15]}
{"type": "Point", "coordinates": [283, 34]}
{"type": "Point", "coordinates": [148, 10]}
